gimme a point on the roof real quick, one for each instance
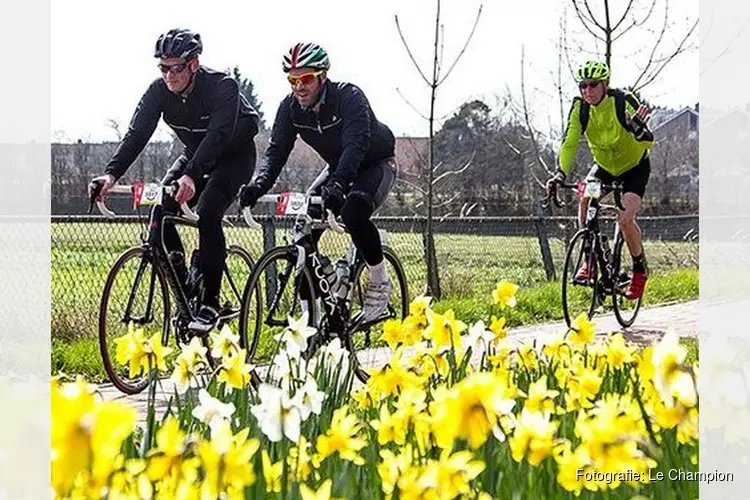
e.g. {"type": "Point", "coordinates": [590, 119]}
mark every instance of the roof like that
{"type": "Point", "coordinates": [678, 114]}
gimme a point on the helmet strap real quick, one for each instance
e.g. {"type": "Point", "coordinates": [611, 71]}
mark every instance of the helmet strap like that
{"type": "Point", "coordinates": [321, 93]}
{"type": "Point", "coordinates": [191, 84]}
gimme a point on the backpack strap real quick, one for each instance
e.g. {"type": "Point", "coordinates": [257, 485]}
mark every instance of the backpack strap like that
{"type": "Point", "coordinates": [583, 113]}
{"type": "Point", "coordinates": [620, 99]}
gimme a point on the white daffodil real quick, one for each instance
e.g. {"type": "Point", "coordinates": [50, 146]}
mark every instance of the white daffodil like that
{"type": "Point", "coordinates": [225, 343]}
{"type": "Point", "coordinates": [211, 411]}
{"type": "Point", "coordinates": [295, 335]}
{"type": "Point", "coordinates": [309, 398]}
{"type": "Point", "coordinates": [334, 357]}
{"type": "Point", "coordinates": [277, 414]}
{"type": "Point", "coordinates": [478, 338]}
{"type": "Point", "coordinates": [333, 353]}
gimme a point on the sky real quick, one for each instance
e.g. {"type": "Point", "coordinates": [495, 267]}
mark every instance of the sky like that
{"type": "Point", "coordinates": [102, 55]}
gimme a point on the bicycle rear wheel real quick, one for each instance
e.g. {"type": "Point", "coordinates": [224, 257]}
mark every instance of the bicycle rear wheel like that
{"type": "Point", "coordinates": [135, 291]}
{"type": "Point", "coordinates": [625, 310]}
{"type": "Point", "coordinates": [580, 296]}
{"type": "Point", "coordinates": [365, 347]}
{"type": "Point", "coordinates": [271, 296]}
{"type": "Point", "coordinates": [237, 270]}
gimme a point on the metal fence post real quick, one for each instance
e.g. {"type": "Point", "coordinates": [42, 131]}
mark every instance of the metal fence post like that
{"type": "Point", "coordinates": [269, 242]}
{"type": "Point", "coordinates": [541, 233]}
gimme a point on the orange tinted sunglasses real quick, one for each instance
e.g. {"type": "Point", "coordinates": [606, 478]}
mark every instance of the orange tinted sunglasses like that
{"type": "Point", "coordinates": [305, 79]}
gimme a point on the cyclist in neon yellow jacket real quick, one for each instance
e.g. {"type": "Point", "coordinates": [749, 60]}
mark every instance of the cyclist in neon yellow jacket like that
{"type": "Point", "coordinates": [615, 126]}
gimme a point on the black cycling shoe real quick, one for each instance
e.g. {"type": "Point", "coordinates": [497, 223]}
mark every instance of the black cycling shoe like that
{"type": "Point", "coordinates": [206, 319]}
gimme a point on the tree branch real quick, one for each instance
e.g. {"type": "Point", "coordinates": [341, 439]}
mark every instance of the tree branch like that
{"type": "Point", "coordinates": [410, 104]}
{"type": "Point", "coordinates": [624, 15]}
{"type": "Point", "coordinates": [455, 172]}
{"type": "Point", "coordinates": [473, 29]}
{"type": "Point", "coordinates": [411, 185]}
{"type": "Point", "coordinates": [591, 15]}
{"type": "Point", "coordinates": [408, 51]}
{"type": "Point", "coordinates": [680, 49]}
{"type": "Point", "coordinates": [585, 24]}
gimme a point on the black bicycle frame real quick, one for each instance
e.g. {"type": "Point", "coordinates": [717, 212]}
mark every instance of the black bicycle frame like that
{"type": "Point", "coordinates": [154, 246]}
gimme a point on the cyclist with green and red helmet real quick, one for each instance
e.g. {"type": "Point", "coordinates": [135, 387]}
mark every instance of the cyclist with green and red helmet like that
{"type": "Point", "coordinates": [336, 120]}
{"type": "Point", "coordinates": [615, 125]}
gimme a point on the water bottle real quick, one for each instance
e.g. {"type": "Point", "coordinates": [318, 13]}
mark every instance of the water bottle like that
{"type": "Point", "coordinates": [342, 275]}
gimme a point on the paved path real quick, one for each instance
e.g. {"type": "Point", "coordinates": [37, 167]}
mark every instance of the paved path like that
{"type": "Point", "coordinates": [652, 324]}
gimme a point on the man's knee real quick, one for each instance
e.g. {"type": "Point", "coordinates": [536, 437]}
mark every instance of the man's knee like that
{"type": "Point", "coordinates": [631, 202]}
{"type": "Point", "coordinates": [357, 208]}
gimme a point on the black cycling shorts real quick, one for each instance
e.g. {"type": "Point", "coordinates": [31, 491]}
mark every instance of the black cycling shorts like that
{"type": "Point", "coordinates": [634, 180]}
{"type": "Point", "coordinates": [375, 181]}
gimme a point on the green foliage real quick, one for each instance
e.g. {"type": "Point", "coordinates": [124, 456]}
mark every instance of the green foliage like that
{"type": "Point", "coordinates": [248, 90]}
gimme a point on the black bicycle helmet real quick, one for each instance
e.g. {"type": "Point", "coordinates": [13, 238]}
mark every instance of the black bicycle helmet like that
{"type": "Point", "coordinates": [180, 43]}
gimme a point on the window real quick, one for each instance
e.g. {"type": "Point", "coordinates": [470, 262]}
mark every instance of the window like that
{"type": "Point", "coordinates": [693, 123]}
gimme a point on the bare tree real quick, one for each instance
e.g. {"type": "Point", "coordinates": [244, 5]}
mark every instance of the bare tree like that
{"type": "Point", "coordinates": [433, 279]}
{"type": "Point", "coordinates": [612, 20]}
{"type": "Point", "coordinates": [115, 126]}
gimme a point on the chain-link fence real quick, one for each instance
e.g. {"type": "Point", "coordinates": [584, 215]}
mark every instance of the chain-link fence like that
{"type": "Point", "coordinates": [472, 253]}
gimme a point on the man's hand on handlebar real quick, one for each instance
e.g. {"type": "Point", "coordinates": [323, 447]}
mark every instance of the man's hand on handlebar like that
{"type": "Point", "coordinates": [333, 196]}
{"type": "Point", "coordinates": [185, 189]}
{"type": "Point", "coordinates": [99, 186]}
{"type": "Point", "coordinates": [554, 181]}
{"type": "Point", "coordinates": [249, 195]}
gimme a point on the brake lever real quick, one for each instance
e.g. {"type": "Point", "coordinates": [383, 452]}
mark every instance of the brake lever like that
{"type": "Point", "coordinates": [96, 188]}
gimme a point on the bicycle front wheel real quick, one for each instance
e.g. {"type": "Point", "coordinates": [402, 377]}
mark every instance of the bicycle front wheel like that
{"type": "Point", "coordinates": [580, 295]}
{"type": "Point", "coordinates": [625, 310]}
{"type": "Point", "coordinates": [365, 346]}
{"type": "Point", "coordinates": [272, 295]}
{"type": "Point", "coordinates": [135, 291]}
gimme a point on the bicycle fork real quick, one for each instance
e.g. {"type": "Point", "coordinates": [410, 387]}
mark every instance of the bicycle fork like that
{"type": "Point", "coordinates": [149, 315]}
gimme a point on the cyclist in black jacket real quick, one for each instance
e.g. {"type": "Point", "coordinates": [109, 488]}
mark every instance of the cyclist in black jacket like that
{"type": "Point", "coordinates": [217, 126]}
{"type": "Point", "coordinates": [336, 120]}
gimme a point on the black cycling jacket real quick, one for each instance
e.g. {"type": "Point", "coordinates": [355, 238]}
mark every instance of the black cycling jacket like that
{"type": "Point", "coordinates": [212, 119]}
{"type": "Point", "coordinates": [345, 134]}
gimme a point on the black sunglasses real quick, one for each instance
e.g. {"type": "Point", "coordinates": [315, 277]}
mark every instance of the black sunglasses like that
{"type": "Point", "coordinates": [175, 68]}
{"type": "Point", "coordinates": [591, 85]}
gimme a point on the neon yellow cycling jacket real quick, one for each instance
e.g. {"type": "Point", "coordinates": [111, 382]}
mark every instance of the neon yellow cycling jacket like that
{"type": "Point", "coordinates": [614, 147]}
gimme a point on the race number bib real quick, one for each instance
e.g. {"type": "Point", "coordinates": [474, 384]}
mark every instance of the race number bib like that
{"type": "Point", "coordinates": [593, 188]}
{"type": "Point", "coordinates": [292, 204]}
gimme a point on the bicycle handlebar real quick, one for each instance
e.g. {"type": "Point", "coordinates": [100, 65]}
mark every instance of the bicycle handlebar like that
{"type": "Point", "coordinates": [616, 187]}
{"type": "Point", "coordinates": [274, 198]}
{"type": "Point", "coordinates": [96, 187]}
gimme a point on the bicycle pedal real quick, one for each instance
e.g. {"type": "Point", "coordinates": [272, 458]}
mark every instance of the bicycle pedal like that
{"type": "Point", "coordinates": [200, 328]}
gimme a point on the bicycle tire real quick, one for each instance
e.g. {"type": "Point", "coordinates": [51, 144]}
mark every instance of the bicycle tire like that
{"type": "Point", "coordinates": [254, 287]}
{"type": "Point", "coordinates": [392, 258]}
{"type": "Point", "coordinates": [570, 254]}
{"type": "Point", "coordinates": [622, 317]}
{"type": "Point", "coordinates": [133, 252]}
{"type": "Point", "coordinates": [245, 256]}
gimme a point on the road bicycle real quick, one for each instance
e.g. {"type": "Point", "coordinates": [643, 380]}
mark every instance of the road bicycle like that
{"type": "Point", "coordinates": [606, 277]}
{"type": "Point", "coordinates": [298, 276]}
{"type": "Point", "coordinates": [137, 288]}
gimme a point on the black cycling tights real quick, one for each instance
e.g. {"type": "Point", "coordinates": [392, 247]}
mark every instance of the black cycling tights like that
{"type": "Point", "coordinates": [214, 196]}
{"type": "Point", "coordinates": [356, 214]}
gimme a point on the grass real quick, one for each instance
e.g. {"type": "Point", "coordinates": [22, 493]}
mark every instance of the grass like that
{"type": "Point", "coordinates": [470, 266]}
